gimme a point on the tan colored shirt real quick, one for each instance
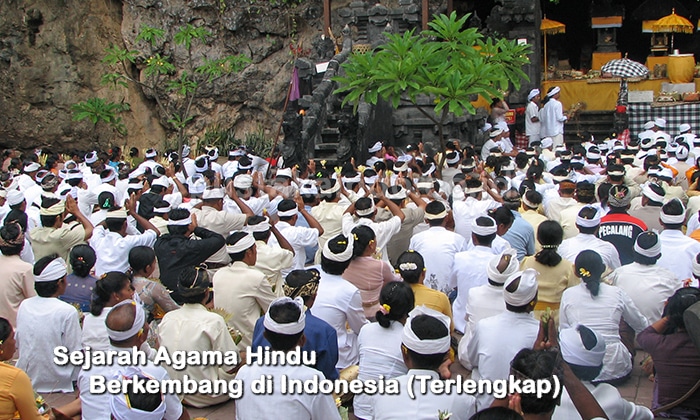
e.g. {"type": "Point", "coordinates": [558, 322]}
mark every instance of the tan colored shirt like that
{"type": "Point", "coordinates": [329, 216]}
{"type": "Point", "coordinates": [221, 222]}
{"type": "Point", "coordinates": [534, 218]}
{"type": "Point", "coordinates": [17, 284]}
{"type": "Point", "coordinates": [551, 281]}
{"type": "Point", "coordinates": [271, 261]}
{"type": "Point", "coordinates": [47, 240]}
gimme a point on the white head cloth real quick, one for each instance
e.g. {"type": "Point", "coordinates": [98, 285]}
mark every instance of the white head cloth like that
{"type": "Point", "coordinates": [243, 244]}
{"type": "Point", "coordinates": [91, 158]}
{"type": "Point", "coordinates": [484, 230]}
{"type": "Point", "coordinates": [453, 160]}
{"type": "Point", "coordinates": [121, 409]}
{"type": "Point", "coordinates": [213, 194]}
{"type": "Point", "coordinates": [110, 177]}
{"type": "Point", "coordinates": [151, 153]}
{"type": "Point", "coordinates": [14, 197]}
{"type": "Point", "coordinates": [284, 172]}
{"type": "Point", "coordinates": [55, 270]}
{"type": "Point", "coordinates": [547, 142]}
{"type": "Point", "coordinates": [263, 226]}
{"type": "Point", "coordinates": [660, 122]}
{"type": "Point", "coordinates": [376, 147]}
{"type": "Point", "coordinates": [532, 94]}
{"type": "Point", "coordinates": [652, 252]}
{"type": "Point", "coordinates": [574, 351]}
{"type": "Point", "coordinates": [696, 267]}
{"type": "Point", "coordinates": [554, 91]}
{"type": "Point", "coordinates": [683, 128]}
{"type": "Point", "coordinates": [398, 195]}
{"type": "Point", "coordinates": [163, 181]}
{"type": "Point", "coordinates": [588, 223]}
{"type": "Point", "coordinates": [290, 328]}
{"type": "Point", "coordinates": [117, 214]}
{"type": "Point", "coordinates": [441, 215]}
{"type": "Point", "coordinates": [648, 125]}
{"type": "Point", "coordinates": [526, 291]}
{"type": "Point", "coordinates": [673, 219]}
{"type": "Point", "coordinates": [308, 189]}
{"type": "Point", "coordinates": [651, 194]}
{"type": "Point", "coordinates": [181, 222]}
{"type": "Point", "coordinates": [343, 256]}
{"type": "Point", "coordinates": [162, 210]}
{"type": "Point", "coordinates": [139, 321]}
{"type": "Point", "coordinates": [243, 181]}
{"type": "Point", "coordinates": [366, 212]}
{"type": "Point", "coordinates": [492, 267]}
{"type": "Point", "coordinates": [32, 167]}
{"type": "Point", "coordinates": [434, 346]}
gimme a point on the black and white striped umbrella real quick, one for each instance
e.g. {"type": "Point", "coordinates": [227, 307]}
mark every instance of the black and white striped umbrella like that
{"type": "Point", "coordinates": [624, 67]}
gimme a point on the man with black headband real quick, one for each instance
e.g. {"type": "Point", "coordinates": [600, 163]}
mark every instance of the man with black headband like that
{"type": "Point", "coordinates": [284, 325]}
{"type": "Point", "coordinates": [320, 336]}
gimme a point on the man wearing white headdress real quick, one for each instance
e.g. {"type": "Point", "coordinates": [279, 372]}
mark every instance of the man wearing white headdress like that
{"type": "Point", "coordinates": [588, 223]}
{"type": "Point", "coordinates": [677, 250]}
{"type": "Point", "coordinates": [271, 259]}
{"type": "Point", "coordinates": [338, 302]}
{"type": "Point", "coordinates": [127, 328]}
{"type": "Point", "coordinates": [284, 324]}
{"type": "Point", "coordinates": [583, 349]}
{"type": "Point", "coordinates": [532, 113]}
{"type": "Point", "coordinates": [45, 322]}
{"type": "Point", "coordinates": [376, 152]}
{"type": "Point", "coordinates": [645, 282]}
{"type": "Point", "coordinates": [425, 344]}
{"type": "Point", "coordinates": [552, 117]}
{"type": "Point", "coordinates": [497, 339]}
{"type": "Point", "coordinates": [329, 211]}
{"type": "Point", "coordinates": [54, 236]}
{"type": "Point", "coordinates": [300, 237]}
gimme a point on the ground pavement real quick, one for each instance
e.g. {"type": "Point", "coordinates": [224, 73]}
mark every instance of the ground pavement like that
{"type": "Point", "coordinates": [637, 389]}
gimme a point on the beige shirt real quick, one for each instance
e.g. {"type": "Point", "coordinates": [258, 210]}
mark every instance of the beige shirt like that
{"type": "Point", "coordinates": [271, 261]}
{"type": "Point", "coordinates": [567, 220]}
{"type": "Point", "coordinates": [221, 222]}
{"type": "Point", "coordinates": [160, 224]}
{"type": "Point", "coordinates": [194, 328]}
{"type": "Point", "coordinates": [534, 218]}
{"type": "Point", "coordinates": [47, 240]}
{"type": "Point", "coordinates": [329, 216]}
{"type": "Point", "coordinates": [17, 284]}
{"type": "Point", "coordinates": [244, 292]}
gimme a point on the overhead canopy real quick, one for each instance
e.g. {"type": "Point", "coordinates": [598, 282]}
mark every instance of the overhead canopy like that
{"type": "Point", "coordinates": [552, 27]}
{"type": "Point", "coordinates": [673, 23]}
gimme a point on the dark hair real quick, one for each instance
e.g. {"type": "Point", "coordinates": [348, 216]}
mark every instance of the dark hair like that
{"type": "Point", "coordinates": [106, 200]}
{"type": "Point", "coordinates": [587, 213]}
{"type": "Point", "coordinates": [48, 221]}
{"type": "Point", "coordinates": [144, 401]}
{"type": "Point", "coordinates": [400, 299]}
{"type": "Point", "coordinates": [536, 364]}
{"type": "Point", "coordinates": [337, 245]}
{"type": "Point", "coordinates": [178, 214]}
{"type": "Point", "coordinates": [140, 257]}
{"type": "Point", "coordinates": [192, 284]}
{"type": "Point", "coordinates": [485, 240]}
{"type": "Point", "coordinates": [427, 327]}
{"type": "Point", "coordinates": [646, 240]}
{"type": "Point", "coordinates": [286, 205]}
{"type": "Point", "coordinates": [585, 192]}
{"type": "Point", "coordinates": [17, 215]}
{"type": "Point", "coordinates": [589, 267]}
{"type": "Point", "coordinates": [283, 313]}
{"type": "Point", "coordinates": [549, 234]}
{"type": "Point", "coordinates": [502, 216]}
{"type": "Point", "coordinates": [435, 207]}
{"type": "Point", "coordinates": [45, 288]}
{"type": "Point", "coordinates": [232, 240]}
{"type": "Point", "coordinates": [259, 236]}
{"type": "Point", "coordinates": [82, 259]}
{"type": "Point", "coordinates": [11, 232]}
{"type": "Point", "coordinates": [672, 208]}
{"type": "Point", "coordinates": [496, 413]}
{"type": "Point", "coordinates": [114, 224]}
{"type": "Point", "coordinates": [363, 235]}
{"type": "Point", "coordinates": [110, 283]}
{"type": "Point", "coordinates": [511, 199]}
{"type": "Point", "coordinates": [411, 276]}
{"type": "Point", "coordinates": [157, 189]}
{"type": "Point", "coordinates": [533, 197]}
{"type": "Point", "coordinates": [5, 329]}
{"type": "Point", "coordinates": [364, 203]}
{"type": "Point", "coordinates": [682, 299]}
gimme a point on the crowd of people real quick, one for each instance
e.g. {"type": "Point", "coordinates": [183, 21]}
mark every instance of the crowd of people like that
{"type": "Point", "coordinates": [551, 260]}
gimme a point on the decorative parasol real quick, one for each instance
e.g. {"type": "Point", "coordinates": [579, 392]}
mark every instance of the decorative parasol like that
{"type": "Point", "coordinates": [673, 23]}
{"type": "Point", "coordinates": [624, 68]}
{"type": "Point", "coordinates": [550, 27]}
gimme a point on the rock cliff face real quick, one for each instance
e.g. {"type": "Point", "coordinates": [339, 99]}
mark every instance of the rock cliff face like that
{"type": "Point", "coordinates": [51, 58]}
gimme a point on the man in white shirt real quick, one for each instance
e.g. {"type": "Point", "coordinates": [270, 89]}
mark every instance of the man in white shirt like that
{"type": "Point", "coordinates": [298, 237]}
{"type": "Point", "coordinates": [284, 329]}
{"type": "Point", "coordinates": [127, 328]}
{"type": "Point", "coordinates": [532, 113]}
{"type": "Point", "coordinates": [438, 246]}
{"type": "Point", "coordinates": [677, 250]}
{"type": "Point", "coordinates": [588, 222]}
{"type": "Point", "coordinates": [469, 267]}
{"type": "Point", "coordinates": [44, 323]}
{"type": "Point", "coordinates": [495, 136]}
{"type": "Point", "coordinates": [425, 343]}
{"type": "Point", "coordinates": [496, 340]}
{"type": "Point", "coordinates": [472, 206]}
{"type": "Point", "coordinates": [552, 117]}
{"type": "Point", "coordinates": [112, 245]}
{"type": "Point", "coordinates": [338, 302]}
{"type": "Point", "coordinates": [271, 260]}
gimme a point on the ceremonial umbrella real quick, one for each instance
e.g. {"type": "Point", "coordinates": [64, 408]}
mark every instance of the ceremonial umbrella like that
{"type": "Point", "coordinates": [624, 68]}
{"type": "Point", "coordinates": [550, 27]}
{"type": "Point", "coordinates": [673, 23]}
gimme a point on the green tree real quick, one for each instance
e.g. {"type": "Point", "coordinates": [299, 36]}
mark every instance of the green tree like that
{"type": "Point", "coordinates": [97, 110]}
{"type": "Point", "coordinates": [173, 89]}
{"type": "Point", "coordinates": [448, 62]}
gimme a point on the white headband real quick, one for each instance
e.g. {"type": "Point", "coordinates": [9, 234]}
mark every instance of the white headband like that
{"type": "Point", "coordinates": [289, 328]}
{"type": "Point", "coordinates": [453, 160]}
{"type": "Point", "coordinates": [122, 410]}
{"type": "Point", "coordinates": [213, 194]}
{"type": "Point", "coordinates": [651, 194]}
{"type": "Point", "coordinates": [588, 223]}
{"type": "Point", "coordinates": [399, 195]}
{"type": "Point", "coordinates": [527, 288]}
{"type": "Point", "coordinates": [243, 244]}
{"type": "Point", "coordinates": [263, 226]}
{"type": "Point", "coordinates": [424, 185]}
{"type": "Point", "coordinates": [438, 216]}
{"type": "Point", "coordinates": [652, 252]}
{"type": "Point", "coordinates": [375, 147]}
{"type": "Point", "coordinates": [55, 270]}
{"type": "Point", "coordinates": [475, 190]}
{"type": "Point", "coordinates": [673, 218]}
{"type": "Point", "coordinates": [162, 210]}
{"type": "Point", "coordinates": [163, 181]}
{"type": "Point", "coordinates": [434, 346]}
{"type": "Point", "coordinates": [343, 256]}
{"type": "Point", "coordinates": [109, 177]}
{"type": "Point", "coordinates": [528, 202]}
{"type": "Point", "coordinates": [696, 267]}
{"type": "Point", "coordinates": [484, 230]}
{"type": "Point", "coordinates": [139, 321]}
{"type": "Point", "coordinates": [151, 153]}
{"type": "Point", "coordinates": [366, 212]}
{"type": "Point", "coordinates": [182, 222]}
{"type": "Point", "coordinates": [573, 351]}
{"type": "Point", "coordinates": [616, 173]}
{"type": "Point", "coordinates": [492, 267]}
{"type": "Point", "coordinates": [331, 190]}
{"type": "Point", "coordinates": [135, 186]}
{"type": "Point", "coordinates": [288, 213]}
{"type": "Point", "coordinates": [430, 170]}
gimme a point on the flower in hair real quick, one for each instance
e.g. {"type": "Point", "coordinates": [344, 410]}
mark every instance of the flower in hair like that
{"type": "Point", "coordinates": [408, 266]}
{"type": "Point", "coordinates": [583, 272]}
{"type": "Point", "coordinates": [385, 309]}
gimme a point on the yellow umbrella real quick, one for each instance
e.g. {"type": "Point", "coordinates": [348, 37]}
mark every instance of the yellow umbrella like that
{"type": "Point", "coordinates": [550, 27]}
{"type": "Point", "coordinates": [673, 23]}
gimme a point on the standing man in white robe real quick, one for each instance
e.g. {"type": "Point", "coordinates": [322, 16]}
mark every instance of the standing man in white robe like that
{"type": "Point", "coordinates": [552, 117]}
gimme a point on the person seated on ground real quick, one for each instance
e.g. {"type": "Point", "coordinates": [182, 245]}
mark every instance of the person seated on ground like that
{"type": "Point", "coordinates": [153, 295]}
{"type": "Point", "coordinates": [380, 342]}
{"type": "Point", "coordinates": [284, 325]}
{"type": "Point", "coordinates": [320, 336]}
{"type": "Point", "coordinates": [194, 328]}
{"type": "Point", "coordinates": [111, 289]}
{"type": "Point", "coordinates": [271, 259]}
{"type": "Point", "coordinates": [17, 278]}
{"type": "Point", "coordinates": [583, 350]}
{"type": "Point", "coordinates": [411, 267]}
{"type": "Point", "coordinates": [135, 405]}
{"type": "Point", "coordinates": [44, 323]}
{"type": "Point", "coordinates": [601, 307]}
{"type": "Point", "coordinates": [425, 346]}
{"type": "Point", "coordinates": [16, 393]}
{"type": "Point", "coordinates": [676, 359]}
{"type": "Point", "coordinates": [80, 282]}
{"type": "Point", "coordinates": [127, 328]}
